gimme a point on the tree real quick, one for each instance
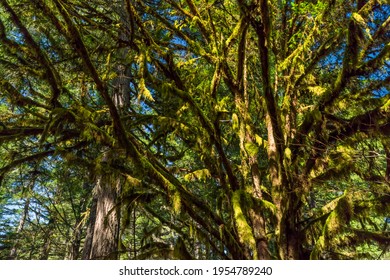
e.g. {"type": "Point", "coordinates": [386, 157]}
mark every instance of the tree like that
{"type": "Point", "coordinates": [209, 129]}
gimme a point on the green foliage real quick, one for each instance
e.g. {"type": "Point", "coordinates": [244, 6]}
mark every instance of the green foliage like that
{"type": "Point", "coordinates": [219, 139]}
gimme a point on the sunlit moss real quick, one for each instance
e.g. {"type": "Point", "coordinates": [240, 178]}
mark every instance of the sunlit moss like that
{"type": "Point", "coordinates": [243, 228]}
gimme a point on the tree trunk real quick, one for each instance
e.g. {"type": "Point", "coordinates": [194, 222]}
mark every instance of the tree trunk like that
{"type": "Point", "coordinates": [106, 227]}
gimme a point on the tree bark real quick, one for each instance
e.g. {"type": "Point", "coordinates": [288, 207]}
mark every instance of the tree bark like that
{"type": "Point", "coordinates": [106, 227]}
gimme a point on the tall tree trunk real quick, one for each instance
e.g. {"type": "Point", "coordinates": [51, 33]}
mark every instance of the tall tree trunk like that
{"type": "Point", "coordinates": [106, 227]}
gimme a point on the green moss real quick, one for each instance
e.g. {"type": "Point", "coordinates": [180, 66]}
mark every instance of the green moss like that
{"type": "Point", "coordinates": [287, 153]}
{"type": "Point", "coordinates": [317, 90]}
{"type": "Point", "coordinates": [341, 212]}
{"type": "Point", "coordinates": [251, 149]}
{"type": "Point", "coordinates": [176, 202]}
{"type": "Point", "coordinates": [201, 175]}
{"type": "Point", "coordinates": [319, 246]}
{"type": "Point", "coordinates": [260, 141]}
{"type": "Point", "coordinates": [244, 230]}
{"type": "Point", "coordinates": [235, 122]}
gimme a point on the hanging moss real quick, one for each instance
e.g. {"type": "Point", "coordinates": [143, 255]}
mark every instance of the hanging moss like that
{"type": "Point", "coordinates": [340, 215]}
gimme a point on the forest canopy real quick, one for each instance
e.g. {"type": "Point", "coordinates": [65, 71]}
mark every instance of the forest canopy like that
{"type": "Point", "coordinates": [194, 129]}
